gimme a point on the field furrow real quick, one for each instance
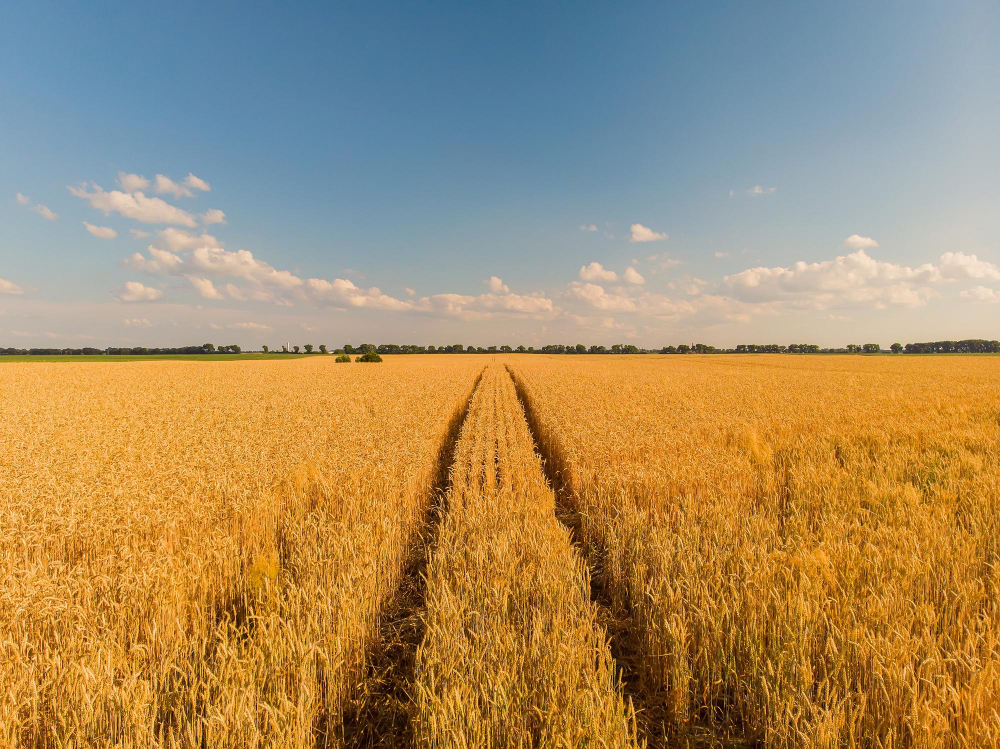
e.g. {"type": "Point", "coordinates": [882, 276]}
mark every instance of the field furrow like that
{"type": "Point", "coordinates": [514, 654]}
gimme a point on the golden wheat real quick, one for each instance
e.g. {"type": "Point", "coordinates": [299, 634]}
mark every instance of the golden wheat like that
{"type": "Point", "coordinates": [804, 551]}
{"type": "Point", "coordinates": [197, 553]}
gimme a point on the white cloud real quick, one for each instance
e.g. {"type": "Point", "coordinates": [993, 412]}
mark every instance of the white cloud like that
{"type": "Point", "coordinates": [633, 276]}
{"type": "Point", "coordinates": [856, 279]}
{"type": "Point", "coordinates": [178, 240]}
{"type": "Point", "coordinates": [757, 191]}
{"type": "Point", "coordinates": [240, 264]}
{"type": "Point", "coordinates": [133, 291]}
{"type": "Point", "coordinates": [489, 305]}
{"type": "Point", "coordinates": [719, 254]}
{"type": "Point", "coordinates": [235, 292]}
{"type": "Point", "coordinates": [981, 294]}
{"type": "Point", "coordinates": [857, 242]}
{"type": "Point", "coordinates": [138, 233]}
{"type": "Point", "coordinates": [597, 297]}
{"type": "Point", "coordinates": [166, 186]}
{"type": "Point", "coordinates": [213, 216]}
{"type": "Point", "coordinates": [196, 183]}
{"type": "Point", "coordinates": [409, 291]}
{"type": "Point", "coordinates": [137, 322]}
{"type": "Point", "coordinates": [497, 286]}
{"type": "Point", "coordinates": [642, 233]}
{"type": "Point", "coordinates": [159, 261]}
{"type": "Point", "coordinates": [45, 212]}
{"type": "Point", "coordinates": [959, 266]}
{"type": "Point", "coordinates": [342, 291]}
{"type": "Point", "coordinates": [101, 232]}
{"type": "Point", "coordinates": [205, 287]}
{"type": "Point", "coordinates": [596, 272]}
{"type": "Point", "coordinates": [132, 182]}
{"type": "Point", "coordinates": [9, 287]}
{"type": "Point", "coordinates": [135, 206]}
{"type": "Point", "coordinates": [255, 326]}
{"type": "Point", "coordinates": [588, 227]}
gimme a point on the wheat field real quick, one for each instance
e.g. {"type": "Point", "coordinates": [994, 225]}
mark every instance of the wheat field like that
{"type": "Point", "coordinates": [473, 551]}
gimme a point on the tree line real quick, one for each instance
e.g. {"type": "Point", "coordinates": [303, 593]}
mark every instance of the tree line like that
{"type": "Point", "coordinates": [969, 346]}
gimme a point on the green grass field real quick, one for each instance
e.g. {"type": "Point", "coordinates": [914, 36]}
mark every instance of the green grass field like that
{"type": "Point", "coordinates": [155, 357]}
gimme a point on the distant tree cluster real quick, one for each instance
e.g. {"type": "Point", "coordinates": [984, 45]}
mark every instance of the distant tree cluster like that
{"type": "Point", "coordinates": [206, 348]}
{"type": "Point", "coordinates": [971, 346]}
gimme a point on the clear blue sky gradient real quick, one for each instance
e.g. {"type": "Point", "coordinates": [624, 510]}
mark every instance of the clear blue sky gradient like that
{"type": "Point", "coordinates": [433, 145]}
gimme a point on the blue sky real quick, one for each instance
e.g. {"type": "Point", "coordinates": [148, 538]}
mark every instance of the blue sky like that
{"type": "Point", "coordinates": [431, 173]}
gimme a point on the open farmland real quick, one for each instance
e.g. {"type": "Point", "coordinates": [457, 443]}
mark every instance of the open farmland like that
{"type": "Point", "coordinates": [197, 554]}
{"type": "Point", "coordinates": [796, 551]}
{"type": "Point", "coordinates": [470, 551]}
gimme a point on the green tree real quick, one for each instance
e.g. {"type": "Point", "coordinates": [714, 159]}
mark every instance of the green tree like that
{"type": "Point", "coordinates": [369, 356]}
{"type": "Point", "coordinates": [265, 349]}
{"type": "Point", "coordinates": [506, 349]}
{"type": "Point", "coordinates": [309, 348]}
{"type": "Point", "coordinates": [853, 348]}
{"type": "Point", "coordinates": [322, 349]}
{"type": "Point", "coordinates": [343, 359]}
{"type": "Point", "coordinates": [296, 349]}
{"type": "Point", "coordinates": [896, 348]}
{"type": "Point", "coordinates": [872, 348]}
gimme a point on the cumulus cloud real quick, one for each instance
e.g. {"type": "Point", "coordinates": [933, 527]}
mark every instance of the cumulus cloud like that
{"type": "Point", "coordinates": [956, 266]}
{"type": "Point", "coordinates": [497, 286]}
{"type": "Point", "coordinates": [132, 182]}
{"type": "Point", "coordinates": [159, 261]}
{"type": "Point", "coordinates": [137, 322]}
{"type": "Point", "coordinates": [642, 233]}
{"type": "Point", "coordinates": [9, 287]}
{"type": "Point", "coordinates": [196, 183]}
{"type": "Point", "coordinates": [857, 242]}
{"type": "Point", "coordinates": [240, 264]}
{"type": "Point", "coordinates": [138, 233]}
{"type": "Point", "coordinates": [45, 212]}
{"type": "Point", "coordinates": [101, 232]}
{"type": "Point", "coordinates": [981, 294]}
{"type": "Point", "coordinates": [205, 287]}
{"type": "Point", "coordinates": [596, 272]}
{"type": "Point", "coordinates": [133, 291]}
{"type": "Point", "coordinates": [756, 191]}
{"type": "Point", "coordinates": [178, 240]}
{"type": "Point", "coordinates": [213, 216]}
{"type": "Point", "coordinates": [856, 278]}
{"type": "Point", "coordinates": [719, 254]}
{"type": "Point", "coordinates": [254, 326]}
{"type": "Point", "coordinates": [166, 186]}
{"type": "Point", "coordinates": [597, 297]}
{"type": "Point", "coordinates": [133, 205]}
{"type": "Point", "coordinates": [341, 291]}
{"type": "Point", "coordinates": [235, 292]}
{"type": "Point", "coordinates": [409, 291]}
{"type": "Point", "coordinates": [633, 276]}
{"type": "Point", "coordinates": [588, 227]}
